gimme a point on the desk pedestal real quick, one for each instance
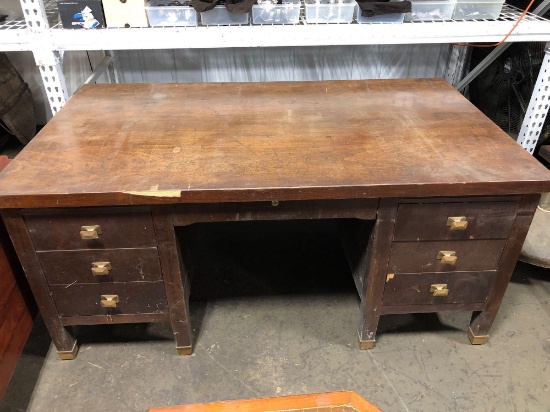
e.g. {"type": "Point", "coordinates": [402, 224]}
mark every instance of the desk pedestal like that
{"type": "Point", "coordinates": [126, 264]}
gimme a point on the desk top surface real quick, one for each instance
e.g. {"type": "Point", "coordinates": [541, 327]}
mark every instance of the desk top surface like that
{"type": "Point", "coordinates": [216, 142]}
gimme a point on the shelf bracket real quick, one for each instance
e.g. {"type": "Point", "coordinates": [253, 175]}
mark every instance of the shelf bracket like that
{"type": "Point", "coordinates": [49, 62]}
{"type": "Point", "coordinates": [100, 69]}
{"type": "Point", "coordinates": [538, 107]}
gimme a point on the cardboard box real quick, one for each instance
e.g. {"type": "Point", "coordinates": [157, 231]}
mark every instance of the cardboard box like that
{"type": "Point", "coordinates": [127, 13]}
{"type": "Point", "coordinates": [81, 14]}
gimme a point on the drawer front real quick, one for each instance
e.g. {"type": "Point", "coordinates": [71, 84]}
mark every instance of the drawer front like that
{"type": "Point", "coordinates": [61, 230]}
{"type": "Point", "coordinates": [134, 298]}
{"type": "Point", "coordinates": [123, 265]}
{"type": "Point", "coordinates": [471, 255]}
{"type": "Point", "coordinates": [429, 221]}
{"type": "Point", "coordinates": [414, 288]}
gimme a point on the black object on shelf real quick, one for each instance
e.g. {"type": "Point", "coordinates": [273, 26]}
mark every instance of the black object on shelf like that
{"type": "Point", "coordinates": [81, 14]}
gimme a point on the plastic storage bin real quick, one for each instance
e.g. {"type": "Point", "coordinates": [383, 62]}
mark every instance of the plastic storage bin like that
{"type": "Point", "coordinates": [170, 15]}
{"type": "Point", "coordinates": [385, 18]}
{"type": "Point", "coordinates": [329, 11]}
{"type": "Point", "coordinates": [431, 10]}
{"type": "Point", "coordinates": [481, 9]}
{"type": "Point", "coordinates": [220, 16]}
{"type": "Point", "coordinates": [267, 12]}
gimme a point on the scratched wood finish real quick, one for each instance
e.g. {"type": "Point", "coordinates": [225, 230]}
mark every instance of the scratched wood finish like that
{"type": "Point", "coordinates": [63, 340]}
{"type": "Point", "coordinates": [473, 255]}
{"type": "Point", "coordinates": [486, 220]}
{"type": "Point", "coordinates": [430, 308]}
{"type": "Point", "coordinates": [84, 299]}
{"type": "Point", "coordinates": [115, 318]}
{"type": "Point", "coordinates": [175, 273]}
{"type": "Point", "coordinates": [312, 209]}
{"type": "Point", "coordinates": [355, 235]}
{"type": "Point", "coordinates": [376, 257]}
{"type": "Point", "coordinates": [222, 142]}
{"type": "Point", "coordinates": [414, 288]}
{"type": "Point", "coordinates": [127, 265]}
{"type": "Point", "coordinates": [60, 229]}
{"type": "Point", "coordinates": [483, 320]}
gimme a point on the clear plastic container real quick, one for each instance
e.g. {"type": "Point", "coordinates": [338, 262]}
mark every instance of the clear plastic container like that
{"type": "Point", "coordinates": [271, 13]}
{"type": "Point", "coordinates": [220, 16]}
{"type": "Point", "coordinates": [473, 10]}
{"type": "Point", "coordinates": [431, 10]}
{"type": "Point", "coordinates": [329, 11]}
{"type": "Point", "coordinates": [385, 18]}
{"type": "Point", "coordinates": [160, 15]}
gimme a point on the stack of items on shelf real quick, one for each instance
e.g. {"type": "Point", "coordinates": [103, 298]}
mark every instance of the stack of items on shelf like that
{"type": "Point", "coordinates": [95, 14]}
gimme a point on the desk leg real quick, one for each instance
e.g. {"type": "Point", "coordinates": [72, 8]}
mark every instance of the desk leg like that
{"type": "Point", "coordinates": [478, 333]}
{"type": "Point", "coordinates": [176, 279]}
{"type": "Point", "coordinates": [64, 342]}
{"type": "Point", "coordinates": [377, 256]}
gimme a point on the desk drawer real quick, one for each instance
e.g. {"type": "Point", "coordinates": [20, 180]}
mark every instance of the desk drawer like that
{"type": "Point", "coordinates": [133, 298]}
{"type": "Point", "coordinates": [471, 255]}
{"type": "Point", "coordinates": [414, 288]}
{"type": "Point", "coordinates": [123, 265]}
{"type": "Point", "coordinates": [120, 228]}
{"type": "Point", "coordinates": [429, 221]}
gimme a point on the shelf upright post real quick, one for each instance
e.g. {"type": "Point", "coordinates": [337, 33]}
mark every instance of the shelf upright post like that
{"type": "Point", "coordinates": [538, 107]}
{"type": "Point", "coordinates": [113, 71]}
{"type": "Point", "coordinates": [48, 60]}
{"type": "Point", "coordinates": [459, 59]}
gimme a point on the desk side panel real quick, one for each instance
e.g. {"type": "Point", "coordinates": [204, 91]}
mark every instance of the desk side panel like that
{"type": "Point", "coordinates": [24, 247]}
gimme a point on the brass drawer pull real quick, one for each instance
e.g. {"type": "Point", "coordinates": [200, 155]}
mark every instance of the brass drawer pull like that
{"type": "Point", "coordinates": [90, 232]}
{"type": "Point", "coordinates": [101, 268]}
{"type": "Point", "coordinates": [109, 301]}
{"type": "Point", "coordinates": [447, 257]}
{"type": "Point", "coordinates": [457, 222]}
{"type": "Point", "coordinates": [439, 289]}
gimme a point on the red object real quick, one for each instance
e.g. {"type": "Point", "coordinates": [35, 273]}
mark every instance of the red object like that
{"type": "Point", "coordinates": [17, 307]}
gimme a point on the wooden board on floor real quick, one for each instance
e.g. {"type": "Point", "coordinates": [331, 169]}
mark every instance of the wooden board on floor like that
{"type": "Point", "coordinates": [345, 401]}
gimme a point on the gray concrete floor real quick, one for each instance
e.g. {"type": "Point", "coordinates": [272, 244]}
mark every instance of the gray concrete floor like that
{"type": "Point", "coordinates": [275, 312]}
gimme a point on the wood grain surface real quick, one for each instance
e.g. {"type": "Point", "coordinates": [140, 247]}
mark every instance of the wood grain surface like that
{"type": "Point", "coordinates": [414, 288]}
{"type": "Point", "coordinates": [60, 229]}
{"type": "Point", "coordinates": [84, 299]}
{"type": "Point", "coordinates": [175, 143]}
{"type": "Point", "coordinates": [486, 220]}
{"type": "Point", "coordinates": [75, 266]}
{"type": "Point", "coordinates": [472, 255]}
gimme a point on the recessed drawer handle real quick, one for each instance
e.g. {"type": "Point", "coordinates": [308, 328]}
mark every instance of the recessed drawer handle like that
{"type": "Point", "coordinates": [90, 232]}
{"type": "Point", "coordinates": [101, 268]}
{"type": "Point", "coordinates": [109, 301]}
{"type": "Point", "coordinates": [447, 257]}
{"type": "Point", "coordinates": [457, 222]}
{"type": "Point", "coordinates": [439, 289]}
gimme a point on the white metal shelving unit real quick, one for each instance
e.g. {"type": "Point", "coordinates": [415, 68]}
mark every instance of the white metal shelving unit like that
{"type": "Point", "coordinates": [41, 33]}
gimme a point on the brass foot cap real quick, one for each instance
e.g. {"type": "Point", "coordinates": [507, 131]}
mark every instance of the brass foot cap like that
{"type": "Point", "coordinates": [366, 344]}
{"type": "Point", "coordinates": [68, 355]}
{"type": "Point", "coordinates": [184, 350]}
{"type": "Point", "coordinates": [477, 340]}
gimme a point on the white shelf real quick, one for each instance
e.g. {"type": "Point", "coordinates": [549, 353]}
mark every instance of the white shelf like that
{"type": "Point", "coordinates": [532, 28]}
{"type": "Point", "coordinates": [15, 35]}
{"type": "Point", "coordinates": [42, 34]}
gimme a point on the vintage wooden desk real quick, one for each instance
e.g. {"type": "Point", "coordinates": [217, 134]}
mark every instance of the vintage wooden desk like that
{"type": "Point", "coordinates": [439, 198]}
